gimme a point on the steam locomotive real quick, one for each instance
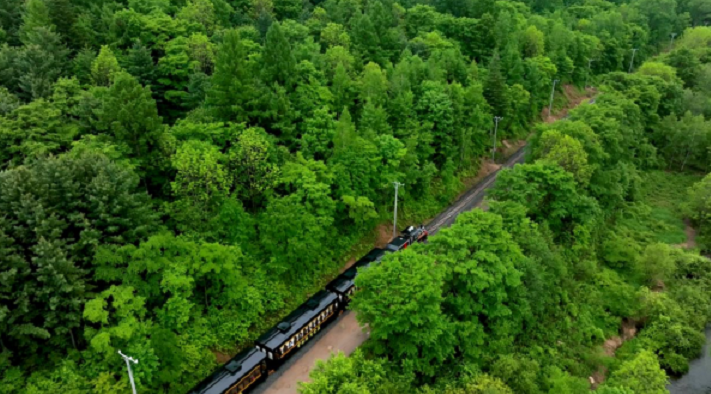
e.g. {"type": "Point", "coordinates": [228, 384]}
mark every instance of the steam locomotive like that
{"type": "Point", "coordinates": [245, 370]}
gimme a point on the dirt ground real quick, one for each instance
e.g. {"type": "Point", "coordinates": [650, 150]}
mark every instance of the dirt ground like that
{"type": "Point", "coordinates": [690, 236]}
{"type": "Point", "coordinates": [628, 331]}
{"type": "Point", "coordinates": [346, 336]}
{"type": "Point", "coordinates": [574, 98]}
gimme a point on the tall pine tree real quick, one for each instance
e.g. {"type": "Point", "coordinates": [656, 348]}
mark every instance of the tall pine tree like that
{"type": "Point", "coordinates": [496, 90]}
{"type": "Point", "coordinates": [232, 84]}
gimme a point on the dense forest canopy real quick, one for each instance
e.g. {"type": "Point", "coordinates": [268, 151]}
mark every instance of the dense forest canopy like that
{"type": "Point", "coordinates": [177, 174]}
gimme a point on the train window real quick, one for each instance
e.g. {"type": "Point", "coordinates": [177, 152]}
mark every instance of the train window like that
{"type": "Point", "coordinates": [269, 354]}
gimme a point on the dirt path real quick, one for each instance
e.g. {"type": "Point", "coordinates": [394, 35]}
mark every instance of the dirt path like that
{"type": "Point", "coordinates": [345, 334]}
{"type": "Point", "coordinates": [610, 346]}
{"type": "Point", "coordinates": [690, 235]}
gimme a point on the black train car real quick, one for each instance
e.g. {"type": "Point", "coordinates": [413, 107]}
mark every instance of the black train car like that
{"type": "Point", "coordinates": [297, 328]}
{"type": "Point", "coordinates": [408, 237]}
{"type": "Point", "coordinates": [344, 284]}
{"type": "Point", "coordinates": [241, 373]}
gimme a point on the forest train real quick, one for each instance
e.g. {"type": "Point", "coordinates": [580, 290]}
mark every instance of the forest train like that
{"type": "Point", "coordinates": [245, 370]}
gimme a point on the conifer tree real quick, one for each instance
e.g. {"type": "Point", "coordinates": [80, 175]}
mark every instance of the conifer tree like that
{"type": "Point", "coordinates": [512, 63]}
{"type": "Point", "coordinates": [62, 14]}
{"type": "Point", "coordinates": [495, 89]}
{"type": "Point", "coordinates": [36, 15]}
{"type": "Point", "coordinates": [139, 63]}
{"type": "Point", "coordinates": [232, 88]}
{"type": "Point", "coordinates": [366, 41]}
{"type": "Point", "coordinates": [81, 65]}
{"type": "Point", "coordinates": [279, 62]}
{"type": "Point", "coordinates": [105, 67]}
{"type": "Point", "coordinates": [342, 89]}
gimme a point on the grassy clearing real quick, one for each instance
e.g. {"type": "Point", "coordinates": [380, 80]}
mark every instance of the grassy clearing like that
{"type": "Point", "coordinates": [658, 216]}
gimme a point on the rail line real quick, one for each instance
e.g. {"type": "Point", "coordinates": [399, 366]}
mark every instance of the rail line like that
{"type": "Point", "coordinates": [345, 334]}
{"type": "Point", "coordinates": [473, 196]}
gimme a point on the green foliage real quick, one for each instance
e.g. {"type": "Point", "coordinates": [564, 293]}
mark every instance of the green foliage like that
{"type": "Point", "coordinates": [401, 300]}
{"type": "Point", "coordinates": [549, 194]}
{"type": "Point", "coordinates": [640, 375]}
{"type": "Point", "coordinates": [104, 68]}
{"type": "Point", "coordinates": [341, 374]}
{"type": "Point", "coordinates": [269, 132]}
{"type": "Point", "coordinates": [51, 230]}
{"type": "Point", "coordinates": [698, 207]}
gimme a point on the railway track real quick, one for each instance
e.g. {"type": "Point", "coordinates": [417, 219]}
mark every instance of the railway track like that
{"type": "Point", "coordinates": [473, 196]}
{"type": "Point", "coordinates": [345, 334]}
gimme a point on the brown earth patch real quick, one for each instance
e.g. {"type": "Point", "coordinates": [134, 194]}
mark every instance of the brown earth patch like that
{"type": "Point", "coordinates": [628, 330]}
{"type": "Point", "coordinates": [487, 167]}
{"type": "Point", "coordinates": [385, 234]}
{"type": "Point", "coordinates": [690, 235]}
{"type": "Point", "coordinates": [221, 357]}
{"type": "Point", "coordinates": [574, 98]}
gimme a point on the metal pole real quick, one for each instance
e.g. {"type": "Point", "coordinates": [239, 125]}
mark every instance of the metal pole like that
{"type": "Point", "coordinates": [634, 51]}
{"type": "Point", "coordinates": [671, 44]}
{"type": "Point", "coordinates": [589, 72]}
{"type": "Point", "coordinates": [129, 360]}
{"type": "Point", "coordinates": [496, 128]}
{"type": "Point", "coordinates": [397, 186]}
{"type": "Point", "coordinates": [550, 107]}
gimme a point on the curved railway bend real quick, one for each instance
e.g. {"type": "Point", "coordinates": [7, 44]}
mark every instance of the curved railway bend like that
{"type": "Point", "coordinates": [345, 334]}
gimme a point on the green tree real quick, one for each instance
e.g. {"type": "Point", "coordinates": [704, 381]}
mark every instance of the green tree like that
{"type": "Point", "coordinates": [568, 153]}
{"type": "Point", "coordinates": [231, 89]}
{"type": "Point", "coordinates": [698, 208]}
{"type": "Point", "coordinates": [104, 68]}
{"type": "Point", "coordinates": [252, 164]}
{"type": "Point", "coordinates": [34, 130]}
{"type": "Point", "coordinates": [295, 227]}
{"type": "Point", "coordinates": [200, 185]}
{"type": "Point", "coordinates": [549, 194]}
{"type": "Point", "coordinates": [200, 12]}
{"type": "Point", "coordinates": [36, 16]}
{"type": "Point", "coordinates": [130, 115]}
{"type": "Point", "coordinates": [483, 250]}
{"type": "Point", "coordinates": [495, 90]}
{"type": "Point", "coordinates": [279, 63]}
{"type": "Point", "coordinates": [49, 240]}
{"type": "Point", "coordinates": [401, 302]}
{"type": "Point", "coordinates": [641, 374]}
{"type": "Point", "coordinates": [139, 63]}
{"type": "Point", "coordinates": [354, 373]}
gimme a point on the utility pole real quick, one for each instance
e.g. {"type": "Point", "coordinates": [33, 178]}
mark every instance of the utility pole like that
{"type": "Point", "coordinates": [129, 360]}
{"type": "Point", "coordinates": [634, 51]}
{"type": "Point", "coordinates": [589, 71]}
{"type": "Point", "coordinates": [397, 186]}
{"type": "Point", "coordinates": [497, 119]}
{"type": "Point", "coordinates": [671, 43]}
{"type": "Point", "coordinates": [550, 107]}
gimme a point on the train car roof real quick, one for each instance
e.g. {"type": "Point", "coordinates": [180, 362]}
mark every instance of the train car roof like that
{"type": "Point", "coordinates": [374, 255]}
{"type": "Point", "coordinates": [297, 319]}
{"type": "Point", "coordinates": [344, 281]}
{"type": "Point", "coordinates": [230, 373]}
{"type": "Point", "coordinates": [397, 243]}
